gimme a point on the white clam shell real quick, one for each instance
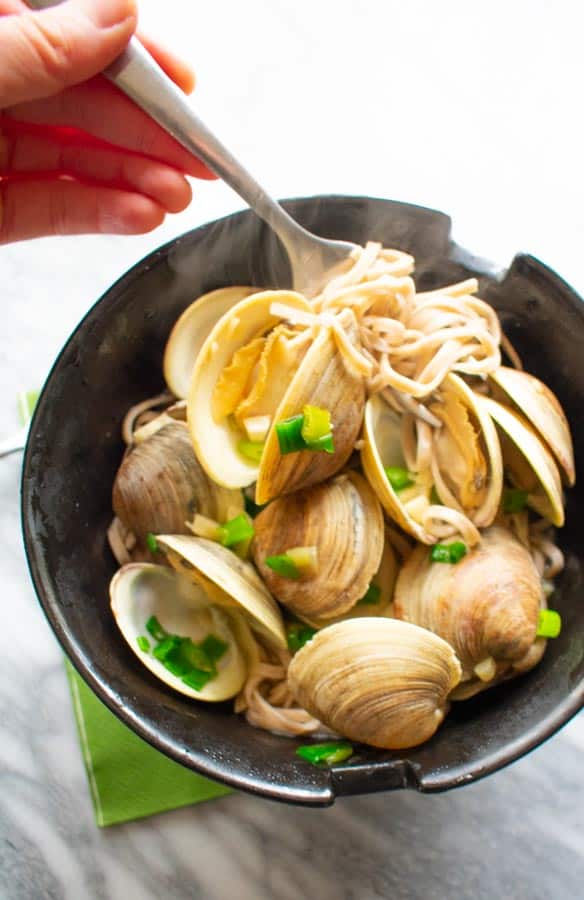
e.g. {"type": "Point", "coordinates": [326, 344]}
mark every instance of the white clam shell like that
{"type": "Point", "coordinates": [378, 681]}
{"type": "Point", "coordinates": [547, 497]}
{"type": "Point", "coordinates": [190, 332]}
{"type": "Point", "coordinates": [141, 590]}
{"type": "Point", "coordinates": [542, 409]}
{"type": "Point", "coordinates": [228, 581]}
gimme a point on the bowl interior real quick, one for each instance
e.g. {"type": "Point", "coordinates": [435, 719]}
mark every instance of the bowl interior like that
{"type": "Point", "coordinates": [113, 360]}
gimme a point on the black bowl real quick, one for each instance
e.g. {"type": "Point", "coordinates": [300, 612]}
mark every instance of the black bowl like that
{"type": "Point", "coordinates": [113, 359]}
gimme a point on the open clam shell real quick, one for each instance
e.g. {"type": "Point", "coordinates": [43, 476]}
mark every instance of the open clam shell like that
{"type": "Point", "coordinates": [228, 581]}
{"type": "Point", "coordinates": [342, 518]}
{"type": "Point", "coordinates": [291, 369]}
{"type": "Point", "coordinates": [486, 606]}
{"type": "Point", "coordinates": [467, 464]}
{"type": "Point", "coordinates": [528, 462]}
{"type": "Point", "coordinates": [541, 408]}
{"type": "Point", "coordinates": [160, 485]}
{"type": "Point", "coordinates": [141, 590]}
{"type": "Point", "coordinates": [190, 332]}
{"type": "Point", "coordinates": [378, 681]}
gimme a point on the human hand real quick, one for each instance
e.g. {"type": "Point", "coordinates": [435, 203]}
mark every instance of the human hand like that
{"type": "Point", "coordinates": [76, 155]}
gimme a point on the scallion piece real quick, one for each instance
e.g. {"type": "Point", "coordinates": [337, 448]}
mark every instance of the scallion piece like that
{"type": "Point", "coordinates": [298, 634]}
{"type": "Point", "coordinates": [398, 477]}
{"type": "Point", "coordinates": [514, 500]}
{"type": "Point", "coordinates": [214, 647]}
{"type": "Point", "coordinates": [151, 543]}
{"type": "Point", "coordinates": [165, 647]}
{"type": "Point", "coordinates": [236, 530]}
{"type": "Point", "coordinates": [283, 565]}
{"type": "Point", "coordinates": [328, 754]}
{"type": "Point", "coordinates": [448, 553]}
{"type": "Point", "coordinates": [155, 629]}
{"type": "Point", "coordinates": [27, 401]}
{"type": "Point", "coordinates": [251, 450]}
{"type": "Point", "coordinates": [549, 624]}
{"type": "Point", "coordinates": [196, 679]}
{"type": "Point", "coordinates": [371, 596]}
{"type": "Point", "coordinates": [290, 435]}
{"type": "Point", "coordinates": [324, 443]}
{"type": "Point", "coordinates": [143, 643]}
{"type": "Point", "coordinates": [316, 424]}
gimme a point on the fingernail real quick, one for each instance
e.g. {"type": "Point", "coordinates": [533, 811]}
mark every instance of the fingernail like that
{"type": "Point", "coordinates": [108, 13]}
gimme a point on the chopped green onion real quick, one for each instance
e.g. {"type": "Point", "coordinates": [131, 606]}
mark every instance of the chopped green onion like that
{"type": "Point", "coordinates": [143, 643]}
{"type": "Point", "coordinates": [214, 647]}
{"type": "Point", "coordinates": [514, 500]}
{"type": "Point", "coordinates": [316, 424]}
{"type": "Point", "coordinates": [435, 497]}
{"type": "Point", "coordinates": [398, 477]}
{"type": "Point", "coordinates": [371, 596]}
{"type": "Point", "coordinates": [27, 401]}
{"type": "Point", "coordinates": [165, 647]}
{"type": "Point", "coordinates": [325, 443]}
{"type": "Point", "coordinates": [251, 450]}
{"type": "Point", "coordinates": [236, 530]}
{"type": "Point", "coordinates": [549, 624]}
{"type": "Point", "coordinates": [290, 435]}
{"type": "Point", "coordinates": [304, 558]}
{"type": "Point", "coordinates": [154, 628]}
{"type": "Point", "coordinates": [251, 507]}
{"type": "Point", "coordinates": [197, 679]}
{"type": "Point", "coordinates": [283, 565]}
{"type": "Point", "coordinates": [298, 634]}
{"type": "Point", "coordinates": [326, 754]}
{"type": "Point", "coordinates": [151, 543]}
{"type": "Point", "coordinates": [448, 553]}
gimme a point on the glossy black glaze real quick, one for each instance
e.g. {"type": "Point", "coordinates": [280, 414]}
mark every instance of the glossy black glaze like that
{"type": "Point", "coordinates": [113, 360]}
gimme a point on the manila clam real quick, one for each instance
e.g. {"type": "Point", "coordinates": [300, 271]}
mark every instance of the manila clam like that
{"type": "Point", "coordinates": [139, 591]}
{"type": "Point", "coordinates": [160, 485]}
{"type": "Point", "coordinates": [342, 519]}
{"type": "Point", "coordinates": [228, 581]}
{"type": "Point", "coordinates": [376, 680]}
{"type": "Point", "coordinates": [486, 606]}
{"type": "Point", "coordinates": [541, 408]}
{"type": "Point", "coordinates": [252, 366]}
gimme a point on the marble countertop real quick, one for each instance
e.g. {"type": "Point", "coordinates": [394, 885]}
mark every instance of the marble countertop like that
{"type": "Point", "coordinates": [470, 108]}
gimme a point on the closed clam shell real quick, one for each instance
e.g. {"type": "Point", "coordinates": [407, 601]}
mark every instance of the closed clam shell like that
{"type": "Point", "coordinates": [190, 332]}
{"type": "Point", "coordinates": [160, 485]}
{"type": "Point", "coordinates": [378, 681]}
{"type": "Point", "coordinates": [228, 581]}
{"type": "Point", "coordinates": [541, 408]}
{"type": "Point", "coordinates": [342, 518]}
{"type": "Point", "coordinates": [528, 461]}
{"type": "Point", "coordinates": [486, 606]}
{"type": "Point", "coordinates": [141, 590]}
{"type": "Point", "coordinates": [307, 370]}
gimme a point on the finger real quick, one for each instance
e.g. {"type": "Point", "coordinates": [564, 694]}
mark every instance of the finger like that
{"type": "Point", "coordinates": [98, 108]}
{"type": "Point", "coordinates": [33, 208]}
{"type": "Point", "coordinates": [176, 69]}
{"type": "Point", "coordinates": [20, 153]}
{"type": "Point", "coordinates": [43, 52]}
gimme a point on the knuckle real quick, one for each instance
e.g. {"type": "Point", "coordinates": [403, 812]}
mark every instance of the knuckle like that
{"type": "Point", "coordinates": [52, 47]}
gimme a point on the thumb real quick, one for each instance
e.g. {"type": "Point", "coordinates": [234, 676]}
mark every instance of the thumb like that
{"type": "Point", "coordinates": [43, 52]}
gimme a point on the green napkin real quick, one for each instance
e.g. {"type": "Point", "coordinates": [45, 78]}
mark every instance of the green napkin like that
{"type": "Point", "coordinates": [127, 777]}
